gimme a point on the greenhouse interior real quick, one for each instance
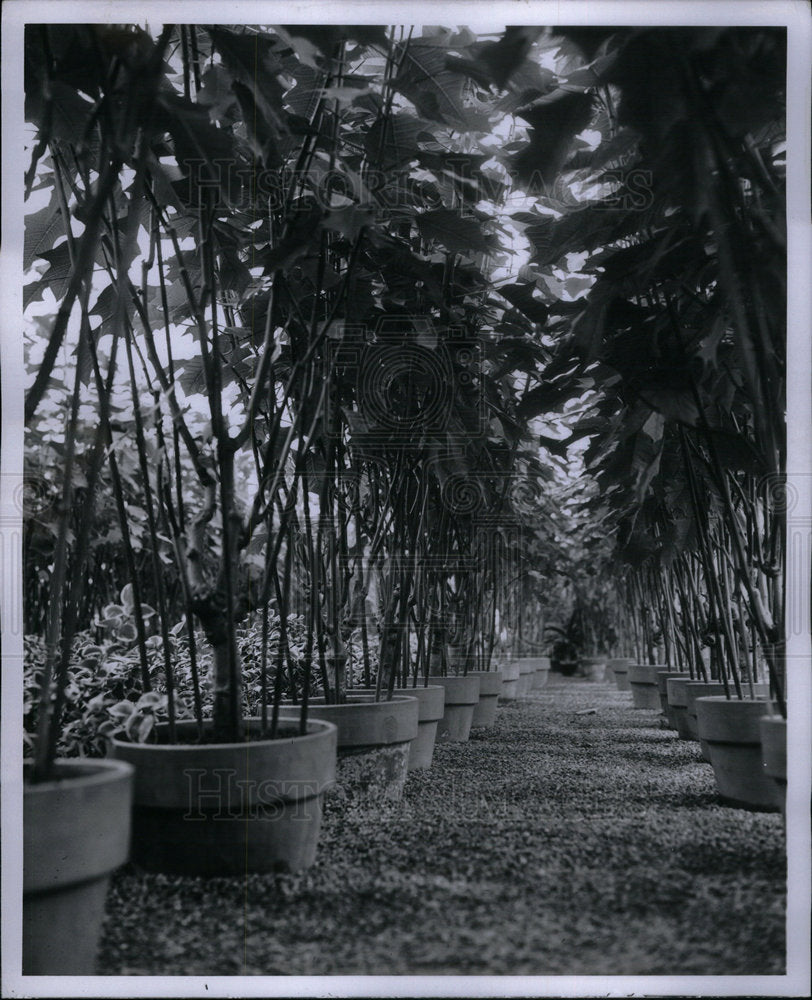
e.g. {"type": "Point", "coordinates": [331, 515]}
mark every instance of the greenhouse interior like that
{"type": "Point", "coordinates": [406, 517]}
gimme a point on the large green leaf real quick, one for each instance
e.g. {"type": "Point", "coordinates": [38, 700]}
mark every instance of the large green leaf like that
{"type": "Point", "coordinates": [70, 112]}
{"type": "Point", "coordinates": [523, 298]}
{"type": "Point", "coordinates": [584, 226]}
{"type": "Point", "coordinates": [327, 37]}
{"type": "Point", "coordinates": [59, 270]}
{"type": "Point", "coordinates": [393, 141]}
{"type": "Point", "coordinates": [434, 89]}
{"type": "Point", "coordinates": [545, 398]}
{"type": "Point", "coordinates": [555, 119]}
{"type": "Point", "coordinates": [41, 230]}
{"type": "Point", "coordinates": [670, 395]}
{"type": "Point", "coordinates": [214, 159]}
{"type": "Point", "coordinates": [505, 58]}
{"type": "Point", "coordinates": [455, 231]}
{"type": "Point", "coordinates": [256, 67]}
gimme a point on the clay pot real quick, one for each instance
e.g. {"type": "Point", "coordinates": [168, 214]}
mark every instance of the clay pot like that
{"type": "Point", "coordinates": [76, 832]}
{"type": "Point", "coordinates": [430, 707]}
{"type": "Point", "coordinates": [490, 687]}
{"type": "Point", "coordinates": [593, 668]}
{"type": "Point", "coordinates": [701, 689]}
{"type": "Point", "coordinates": [230, 808]}
{"type": "Point", "coordinates": [374, 742]}
{"type": "Point", "coordinates": [678, 703]}
{"type": "Point", "coordinates": [620, 667]}
{"type": "Point", "coordinates": [662, 678]}
{"type": "Point", "coordinates": [643, 681]}
{"type": "Point", "coordinates": [542, 674]}
{"type": "Point", "coordinates": [527, 667]}
{"type": "Point", "coordinates": [731, 730]}
{"type": "Point", "coordinates": [461, 699]}
{"type": "Point", "coordinates": [510, 681]}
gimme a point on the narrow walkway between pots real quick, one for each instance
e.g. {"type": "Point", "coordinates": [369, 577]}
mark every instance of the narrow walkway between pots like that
{"type": "Point", "coordinates": [574, 837]}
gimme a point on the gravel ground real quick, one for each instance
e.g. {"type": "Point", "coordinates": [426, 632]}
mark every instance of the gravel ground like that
{"type": "Point", "coordinates": [552, 844]}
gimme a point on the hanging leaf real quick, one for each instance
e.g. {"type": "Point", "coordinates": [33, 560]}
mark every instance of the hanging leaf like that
{"type": "Point", "coordinates": [503, 59]}
{"type": "Point", "coordinates": [216, 94]}
{"type": "Point", "coordinates": [59, 271]}
{"type": "Point", "coordinates": [544, 398]}
{"type": "Point", "coordinates": [213, 158]}
{"type": "Point", "coordinates": [587, 39]}
{"type": "Point", "coordinates": [669, 395]}
{"type": "Point", "coordinates": [554, 119]}
{"type": "Point", "coordinates": [435, 90]}
{"type": "Point", "coordinates": [301, 237]}
{"type": "Point", "coordinates": [349, 221]}
{"type": "Point", "coordinates": [256, 66]}
{"type": "Point", "coordinates": [70, 112]}
{"type": "Point", "coordinates": [41, 231]}
{"type": "Point", "coordinates": [394, 140]}
{"type": "Point", "coordinates": [328, 38]}
{"type": "Point", "coordinates": [522, 296]}
{"type": "Point", "coordinates": [454, 231]}
{"type": "Point", "coordinates": [737, 453]}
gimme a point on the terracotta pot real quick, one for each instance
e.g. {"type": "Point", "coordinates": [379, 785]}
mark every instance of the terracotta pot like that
{"type": "Point", "coordinates": [701, 689]}
{"type": "Point", "coordinates": [610, 667]}
{"type": "Point", "coordinates": [643, 681]}
{"type": "Point", "coordinates": [773, 732]}
{"type": "Point", "coordinates": [693, 690]}
{"type": "Point", "coordinates": [620, 667]}
{"type": "Point", "coordinates": [490, 686]}
{"type": "Point", "coordinates": [542, 674]}
{"type": "Point", "coordinates": [662, 678]}
{"type": "Point", "coordinates": [510, 681]}
{"type": "Point", "coordinates": [230, 808]}
{"type": "Point", "coordinates": [678, 703]}
{"type": "Point", "coordinates": [461, 698]}
{"type": "Point", "coordinates": [527, 667]}
{"type": "Point", "coordinates": [374, 742]}
{"type": "Point", "coordinates": [76, 832]}
{"type": "Point", "coordinates": [430, 705]}
{"type": "Point", "coordinates": [731, 729]}
{"type": "Point", "coordinates": [593, 668]}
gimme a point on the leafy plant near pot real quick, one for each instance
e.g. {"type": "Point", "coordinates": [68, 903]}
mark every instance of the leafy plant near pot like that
{"type": "Point", "coordinates": [682, 331]}
{"type": "Point", "coordinates": [213, 584]}
{"type": "Point", "coordinates": [293, 298]}
{"type": "Point", "coordinates": [246, 300]}
{"type": "Point", "coordinates": [695, 454]}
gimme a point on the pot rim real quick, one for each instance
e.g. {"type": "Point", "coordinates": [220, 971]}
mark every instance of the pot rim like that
{"type": "Point", "coordinates": [363, 698]}
{"type": "Point", "coordinates": [400, 692]}
{"type": "Point", "coordinates": [93, 771]}
{"type": "Point", "coordinates": [718, 698]}
{"type": "Point", "coordinates": [323, 727]}
{"type": "Point", "coordinates": [474, 699]}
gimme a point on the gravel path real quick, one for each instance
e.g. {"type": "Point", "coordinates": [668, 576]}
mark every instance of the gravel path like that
{"type": "Point", "coordinates": [553, 844]}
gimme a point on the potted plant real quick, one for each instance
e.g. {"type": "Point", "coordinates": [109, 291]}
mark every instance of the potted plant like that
{"type": "Point", "coordinates": [289, 765]}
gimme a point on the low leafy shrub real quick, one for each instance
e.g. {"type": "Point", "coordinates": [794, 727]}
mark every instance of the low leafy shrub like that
{"type": "Point", "coordinates": [104, 696]}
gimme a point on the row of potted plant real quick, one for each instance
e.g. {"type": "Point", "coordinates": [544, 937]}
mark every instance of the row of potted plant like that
{"type": "Point", "coordinates": [242, 423]}
{"type": "Point", "coordinates": [198, 808]}
{"type": "Point", "coordinates": [743, 739]}
{"type": "Point", "coordinates": [263, 421]}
